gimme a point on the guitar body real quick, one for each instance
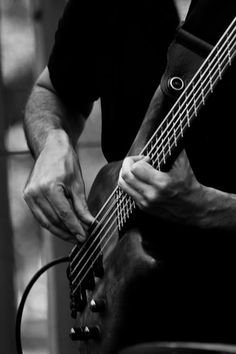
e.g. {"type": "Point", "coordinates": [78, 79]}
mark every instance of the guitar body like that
{"type": "Point", "coordinates": [126, 263]}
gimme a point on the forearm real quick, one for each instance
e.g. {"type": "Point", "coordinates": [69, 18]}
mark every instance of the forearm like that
{"type": "Point", "coordinates": [46, 115]}
{"type": "Point", "coordinates": [216, 210]}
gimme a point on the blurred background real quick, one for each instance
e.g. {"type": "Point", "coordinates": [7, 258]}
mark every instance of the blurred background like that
{"type": "Point", "coordinates": [26, 35]}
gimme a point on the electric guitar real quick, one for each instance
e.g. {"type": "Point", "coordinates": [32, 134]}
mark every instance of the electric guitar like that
{"type": "Point", "coordinates": [111, 275]}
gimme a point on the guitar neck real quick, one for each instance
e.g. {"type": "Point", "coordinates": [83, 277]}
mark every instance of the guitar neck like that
{"type": "Point", "coordinates": [170, 132]}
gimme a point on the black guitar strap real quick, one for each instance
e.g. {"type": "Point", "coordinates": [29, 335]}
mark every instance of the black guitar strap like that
{"type": "Point", "coordinates": [195, 38]}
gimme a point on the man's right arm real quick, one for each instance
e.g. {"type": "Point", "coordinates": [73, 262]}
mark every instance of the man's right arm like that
{"type": "Point", "coordinates": [55, 189]}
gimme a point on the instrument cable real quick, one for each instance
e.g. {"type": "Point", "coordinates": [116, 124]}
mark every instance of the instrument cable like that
{"type": "Point", "coordinates": [24, 297]}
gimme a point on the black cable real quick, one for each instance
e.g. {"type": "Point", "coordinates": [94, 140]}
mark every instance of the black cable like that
{"type": "Point", "coordinates": [24, 297]}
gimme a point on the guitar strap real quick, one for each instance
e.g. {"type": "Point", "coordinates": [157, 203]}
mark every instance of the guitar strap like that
{"type": "Point", "coordinates": [195, 38]}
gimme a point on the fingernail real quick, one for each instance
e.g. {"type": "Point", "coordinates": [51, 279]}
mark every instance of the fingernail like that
{"type": "Point", "coordinates": [147, 158]}
{"type": "Point", "coordinates": [80, 238]}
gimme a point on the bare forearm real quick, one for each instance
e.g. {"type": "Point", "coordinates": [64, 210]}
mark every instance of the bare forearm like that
{"type": "Point", "coordinates": [217, 210]}
{"type": "Point", "coordinates": [45, 115]}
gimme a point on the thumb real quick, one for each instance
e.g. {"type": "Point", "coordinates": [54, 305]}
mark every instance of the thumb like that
{"type": "Point", "coordinates": [81, 207]}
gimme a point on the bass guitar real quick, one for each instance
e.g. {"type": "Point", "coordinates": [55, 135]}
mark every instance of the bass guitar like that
{"type": "Point", "coordinates": [112, 275]}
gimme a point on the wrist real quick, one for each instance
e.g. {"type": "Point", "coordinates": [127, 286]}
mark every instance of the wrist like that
{"type": "Point", "coordinates": [201, 207]}
{"type": "Point", "coordinates": [57, 139]}
{"type": "Point", "coordinates": [214, 209]}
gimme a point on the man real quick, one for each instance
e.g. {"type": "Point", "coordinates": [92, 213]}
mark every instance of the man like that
{"type": "Point", "coordinates": [117, 52]}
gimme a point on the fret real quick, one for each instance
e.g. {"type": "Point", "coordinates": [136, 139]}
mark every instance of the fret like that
{"type": "Point", "coordinates": [126, 210]}
{"type": "Point", "coordinates": [202, 89]}
{"type": "Point", "coordinates": [219, 63]}
{"type": "Point", "coordinates": [194, 98]}
{"type": "Point", "coordinates": [123, 208]}
{"type": "Point", "coordinates": [153, 147]}
{"type": "Point", "coordinates": [130, 206]}
{"type": "Point", "coordinates": [168, 128]}
{"type": "Point", "coordinates": [174, 130]}
{"type": "Point", "coordinates": [228, 49]}
{"type": "Point", "coordinates": [210, 77]}
{"type": "Point", "coordinates": [186, 108]}
{"type": "Point", "coordinates": [118, 208]}
{"type": "Point", "coordinates": [158, 163]}
{"type": "Point", "coordinates": [162, 146]}
{"type": "Point", "coordinates": [181, 127]}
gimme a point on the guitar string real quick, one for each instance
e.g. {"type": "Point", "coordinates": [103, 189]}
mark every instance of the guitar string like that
{"type": "Point", "coordinates": [103, 246]}
{"type": "Point", "coordinates": [130, 209]}
{"type": "Point", "coordinates": [175, 122]}
{"type": "Point", "coordinates": [179, 109]}
{"type": "Point", "coordinates": [198, 97]}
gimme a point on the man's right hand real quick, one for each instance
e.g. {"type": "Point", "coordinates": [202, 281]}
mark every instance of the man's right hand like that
{"type": "Point", "coordinates": [55, 190]}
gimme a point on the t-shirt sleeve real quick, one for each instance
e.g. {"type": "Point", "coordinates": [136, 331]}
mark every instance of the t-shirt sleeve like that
{"type": "Point", "coordinates": [72, 62]}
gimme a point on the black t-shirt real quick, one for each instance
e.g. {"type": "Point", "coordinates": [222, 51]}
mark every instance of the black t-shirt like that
{"type": "Point", "coordinates": [116, 51]}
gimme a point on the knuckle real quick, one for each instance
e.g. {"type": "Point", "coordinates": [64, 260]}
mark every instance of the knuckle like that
{"type": "Point", "coordinates": [150, 196]}
{"type": "Point", "coordinates": [135, 167]}
{"type": "Point", "coordinates": [43, 187]}
{"type": "Point", "coordinates": [64, 214]}
{"type": "Point", "coordinates": [120, 183]}
{"type": "Point", "coordinates": [46, 186]}
{"type": "Point", "coordinates": [143, 204]}
{"type": "Point", "coordinates": [29, 193]}
{"type": "Point", "coordinates": [59, 187]}
{"type": "Point", "coordinates": [45, 224]}
{"type": "Point", "coordinates": [142, 200]}
{"type": "Point", "coordinates": [126, 160]}
{"type": "Point", "coordinates": [161, 186]}
{"type": "Point", "coordinates": [125, 175]}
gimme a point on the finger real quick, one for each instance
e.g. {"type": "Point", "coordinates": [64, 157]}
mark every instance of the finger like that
{"type": "Point", "coordinates": [46, 223]}
{"type": "Point", "coordinates": [129, 189]}
{"type": "Point", "coordinates": [128, 162]}
{"type": "Point", "coordinates": [131, 160]}
{"type": "Point", "coordinates": [63, 208]}
{"type": "Point", "coordinates": [47, 209]}
{"type": "Point", "coordinates": [80, 205]}
{"type": "Point", "coordinates": [144, 172]}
